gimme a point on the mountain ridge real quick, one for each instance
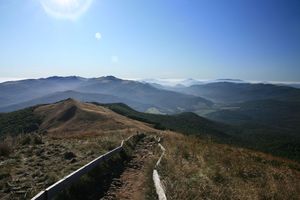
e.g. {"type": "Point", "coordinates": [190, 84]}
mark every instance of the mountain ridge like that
{"type": "Point", "coordinates": [23, 91]}
{"type": "Point", "coordinates": [226, 92]}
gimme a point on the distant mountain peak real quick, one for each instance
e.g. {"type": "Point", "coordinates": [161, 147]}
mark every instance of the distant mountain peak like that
{"type": "Point", "coordinates": [108, 78]}
{"type": "Point", "coordinates": [70, 116]}
{"type": "Point", "coordinates": [111, 77]}
{"type": "Point", "coordinates": [189, 79]}
{"type": "Point", "coordinates": [63, 78]}
{"type": "Point", "coordinates": [69, 101]}
{"type": "Point", "coordinates": [228, 79]}
{"type": "Point", "coordinates": [189, 82]}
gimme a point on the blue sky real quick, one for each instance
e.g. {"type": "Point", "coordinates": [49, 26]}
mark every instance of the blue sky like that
{"type": "Point", "coordinates": [203, 39]}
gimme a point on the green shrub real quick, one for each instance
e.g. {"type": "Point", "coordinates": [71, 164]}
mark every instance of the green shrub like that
{"type": "Point", "coordinates": [36, 139]}
{"type": "Point", "coordinates": [5, 149]}
{"type": "Point", "coordinates": [22, 121]}
{"type": "Point", "coordinates": [33, 139]}
{"type": "Point", "coordinates": [69, 155]}
{"type": "Point", "coordinates": [25, 140]}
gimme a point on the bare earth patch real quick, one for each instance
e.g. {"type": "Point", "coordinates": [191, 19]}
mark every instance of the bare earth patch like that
{"type": "Point", "coordinates": [132, 184]}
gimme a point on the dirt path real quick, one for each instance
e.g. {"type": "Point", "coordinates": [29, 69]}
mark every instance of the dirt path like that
{"type": "Point", "coordinates": [132, 182]}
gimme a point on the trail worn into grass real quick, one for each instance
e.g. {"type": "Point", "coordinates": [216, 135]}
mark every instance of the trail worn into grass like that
{"type": "Point", "coordinates": [132, 183]}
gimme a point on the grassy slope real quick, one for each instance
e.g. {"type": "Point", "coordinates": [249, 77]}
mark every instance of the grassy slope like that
{"type": "Point", "coordinates": [193, 168]}
{"type": "Point", "coordinates": [196, 168]}
{"type": "Point", "coordinates": [29, 165]}
{"type": "Point", "coordinates": [255, 136]}
{"type": "Point", "coordinates": [40, 117]}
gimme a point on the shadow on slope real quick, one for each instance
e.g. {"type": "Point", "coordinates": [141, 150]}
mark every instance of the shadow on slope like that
{"type": "Point", "coordinates": [188, 123]}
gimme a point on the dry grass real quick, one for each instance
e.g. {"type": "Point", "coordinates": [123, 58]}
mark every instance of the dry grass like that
{"type": "Point", "coordinates": [200, 169]}
{"type": "Point", "coordinates": [74, 117]}
{"type": "Point", "coordinates": [37, 162]}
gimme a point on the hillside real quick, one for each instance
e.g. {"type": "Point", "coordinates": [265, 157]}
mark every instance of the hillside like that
{"type": "Point", "coordinates": [197, 168]}
{"type": "Point", "coordinates": [268, 125]}
{"type": "Point", "coordinates": [280, 114]}
{"type": "Point", "coordinates": [274, 137]}
{"type": "Point", "coordinates": [22, 121]}
{"type": "Point", "coordinates": [33, 162]}
{"type": "Point", "coordinates": [69, 134]}
{"type": "Point", "coordinates": [68, 116]}
{"type": "Point", "coordinates": [42, 144]}
{"type": "Point", "coordinates": [73, 116]}
{"type": "Point", "coordinates": [282, 141]}
{"type": "Point", "coordinates": [188, 123]}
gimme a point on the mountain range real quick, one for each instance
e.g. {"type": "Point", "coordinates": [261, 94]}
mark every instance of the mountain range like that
{"type": "Point", "coordinates": [260, 116]}
{"type": "Point", "coordinates": [141, 96]}
{"type": "Point", "coordinates": [228, 101]}
{"type": "Point", "coordinates": [229, 92]}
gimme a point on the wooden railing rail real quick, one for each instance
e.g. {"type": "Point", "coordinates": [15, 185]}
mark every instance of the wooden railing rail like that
{"type": "Point", "coordinates": [160, 191]}
{"type": "Point", "coordinates": [53, 190]}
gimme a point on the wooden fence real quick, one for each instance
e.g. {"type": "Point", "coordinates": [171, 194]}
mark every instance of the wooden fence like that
{"type": "Point", "coordinates": [156, 179]}
{"type": "Point", "coordinates": [53, 190]}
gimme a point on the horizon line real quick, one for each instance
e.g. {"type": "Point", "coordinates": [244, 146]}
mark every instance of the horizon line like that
{"type": "Point", "coordinates": [170, 80]}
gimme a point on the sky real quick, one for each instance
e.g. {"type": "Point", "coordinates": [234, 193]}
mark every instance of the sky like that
{"type": "Point", "coordinates": [201, 39]}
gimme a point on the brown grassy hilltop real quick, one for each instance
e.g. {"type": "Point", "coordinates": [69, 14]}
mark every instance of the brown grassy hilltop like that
{"type": "Point", "coordinates": [72, 133]}
{"type": "Point", "coordinates": [71, 116]}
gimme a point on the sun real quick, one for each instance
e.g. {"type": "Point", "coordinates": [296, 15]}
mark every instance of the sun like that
{"type": "Point", "coordinates": [66, 9]}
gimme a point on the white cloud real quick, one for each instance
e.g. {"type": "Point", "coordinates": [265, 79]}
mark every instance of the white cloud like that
{"type": "Point", "coordinates": [4, 79]}
{"type": "Point", "coordinates": [98, 36]}
{"type": "Point", "coordinates": [66, 9]}
{"type": "Point", "coordinates": [114, 59]}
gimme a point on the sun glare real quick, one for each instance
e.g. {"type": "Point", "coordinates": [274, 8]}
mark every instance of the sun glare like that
{"type": "Point", "coordinates": [67, 9]}
{"type": "Point", "coordinates": [64, 2]}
